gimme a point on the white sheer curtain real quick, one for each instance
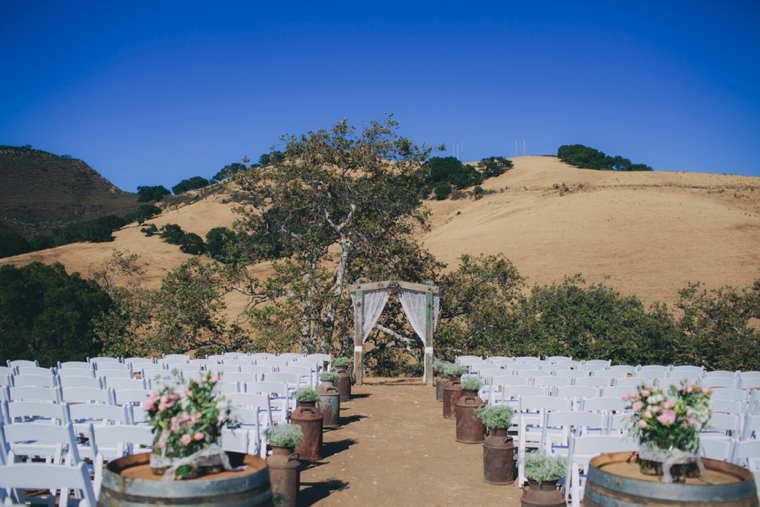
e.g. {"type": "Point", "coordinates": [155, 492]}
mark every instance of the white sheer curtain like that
{"type": "Point", "coordinates": [374, 302]}
{"type": "Point", "coordinates": [415, 307]}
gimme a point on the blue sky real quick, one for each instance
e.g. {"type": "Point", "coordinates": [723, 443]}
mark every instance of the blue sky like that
{"type": "Point", "coordinates": [150, 93]}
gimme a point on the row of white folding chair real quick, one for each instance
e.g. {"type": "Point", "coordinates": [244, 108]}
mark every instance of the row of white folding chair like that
{"type": "Point", "coordinates": [60, 480]}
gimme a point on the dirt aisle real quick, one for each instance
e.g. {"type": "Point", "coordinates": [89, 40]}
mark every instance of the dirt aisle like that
{"type": "Point", "coordinates": [395, 448]}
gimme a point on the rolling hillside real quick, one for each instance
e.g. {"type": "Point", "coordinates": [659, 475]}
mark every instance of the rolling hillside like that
{"type": "Point", "coordinates": [650, 233]}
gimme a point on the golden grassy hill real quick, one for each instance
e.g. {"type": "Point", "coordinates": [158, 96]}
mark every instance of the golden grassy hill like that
{"type": "Point", "coordinates": [651, 233]}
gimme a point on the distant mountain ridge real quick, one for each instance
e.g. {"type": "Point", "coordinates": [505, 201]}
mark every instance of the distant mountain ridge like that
{"type": "Point", "coordinates": [40, 191]}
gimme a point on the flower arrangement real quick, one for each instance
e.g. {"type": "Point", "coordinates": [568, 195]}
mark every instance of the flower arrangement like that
{"type": "Point", "coordinates": [186, 419]}
{"type": "Point", "coordinates": [454, 370]}
{"type": "Point", "coordinates": [496, 416]}
{"type": "Point", "coordinates": [540, 467]}
{"type": "Point", "coordinates": [307, 394]}
{"type": "Point", "coordinates": [471, 384]}
{"type": "Point", "coordinates": [341, 361]}
{"type": "Point", "coordinates": [284, 435]}
{"type": "Point", "coordinates": [670, 420]}
{"type": "Point", "coordinates": [328, 376]}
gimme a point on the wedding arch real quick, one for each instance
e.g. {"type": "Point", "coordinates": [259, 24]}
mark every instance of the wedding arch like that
{"type": "Point", "coordinates": [420, 303]}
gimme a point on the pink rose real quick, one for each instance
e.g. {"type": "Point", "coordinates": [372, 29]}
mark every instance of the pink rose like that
{"type": "Point", "coordinates": [148, 405]}
{"type": "Point", "coordinates": [645, 393]}
{"type": "Point", "coordinates": [163, 406]}
{"type": "Point", "coordinates": [199, 435]}
{"type": "Point", "coordinates": [214, 379]}
{"type": "Point", "coordinates": [164, 399]}
{"type": "Point", "coordinates": [654, 408]}
{"type": "Point", "coordinates": [667, 417]}
{"type": "Point", "coordinates": [637, 406]}
{"type": "Point", "coordinates": [188, 391]}
{"type": "Point", "coordinates": [648, 414]}
{"type": "Point", "coordinates": [689, 387]}
{"type": "Point", "coordinates": [705, 389]}
{"type": "Point", "coordinates": [642, 424]}
{"type": "Point", "coordinates": [625, 397]}
{"type": "Point", "coordinates": [161, 444]}
{"type": "Point", "coordinates": [669, 404]}
{"type": "Point", "coordinates": [204, 378]}
{"type": "Point", "coordinates": [186, 439]}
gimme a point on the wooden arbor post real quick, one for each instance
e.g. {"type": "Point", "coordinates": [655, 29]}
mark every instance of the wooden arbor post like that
{"type": "Point", "coordinates": [358, 290]}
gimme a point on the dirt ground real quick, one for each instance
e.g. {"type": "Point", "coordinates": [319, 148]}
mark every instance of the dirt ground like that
{"type": "Point", "coordinates": [395, 448]}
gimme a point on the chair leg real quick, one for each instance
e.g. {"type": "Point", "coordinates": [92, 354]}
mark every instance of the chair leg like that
{"type": "Point", "coordinates": [576, 486]}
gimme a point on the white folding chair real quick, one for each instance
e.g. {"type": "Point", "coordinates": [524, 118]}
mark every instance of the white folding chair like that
{"type": "Point", "coordinates": [75, 365]}
{"type": "Point", "coordinates": [41, 476]}
{"type": "Point", "coordinates": [112, 442]}
{"type": "Point", "coordinates": [133, 399]}
{"type": "Point", "coordinates": [35, 370]}
{"type": "Point", "coordinates": [532, 414]}
{"type": "Point", "coordinates": [751, 427]}
{"type": "Point", "coordinates": [76, 373]}
{"type": "Point", "coordinates": [112, 374]}
{"type": "Point", "coordinates": [688, 371]}
{"type": "Point", "coordinates": [527, 359]}
{"type": "Point", "coordinates": [665, 383]}
{"type": "Point", "coordinates": [292, 379]}
{"type": "Point", "coordinates": [467, 360]}
{"type": "Point", "coordinates": [554, 359]}
{"type": "Point", "coordinates": [34, 440]}
{"type": "Point", "coordinates": [175, 357]}
{"type": "Point", "coordinates": [21, 362]}
{"type": "Point", "coordinates": [582, 451]}
{"type": "Point", "coordinates": [237, 362]}
{"type": "Point", "coordinates": [746, 383]}
{"type": "Point", "coordinates": [103, 360]}
{"type": "Point", "coordinates": [516, 367]}
{"type": "Point", "coordinates": [590, 367]}
{"type": "Point", "coordinates": [634, 381]}
{"type": "Point", "coordinates": [139, 361]}
{"type": "Point", "coordinates": [611, 404]}
{"type": "Point", "coordinates": [721, 374]}
{"type": "Point", "coordinates": [617, 391]}
{"type": "Point", "coordinates": [609, 374]}
{"type": "Point", "coordinates": [728, 406]}
{"type": "Point", "coordinates": [551, 382]}
{"type": "Point", "coordinates": [723, 424]}
{"type": "Point", "coordinates": [717, 448]}
{"type": "Point", "coordinates": [652, 372]}
{"type": "Point", "coordinates": [532, 373]}
{"type": "Point", "coordinates": [239, 377]}
{"type": "Point", "coordinates": [222, 368]}
{"type": "Point", "coordinates": [256, 369]}
{"type": "Point", "coordinates": [36, 411]}
{"type": "Point", "coordinates": [225, 387]}
{"type": "Point", "coordinates": [561, 424]}
{"type": "Point", "coordinates": [553, 367]}
{"type": "Point", "coordinates": [719, 382]}
{"type": "Point", "coordinates": [511, 394]}
{"type": "Point", "coordinates": [601, 363]}
{"type": "Point", "coordinates": [248, 409]}
{"type": "Point", "coordinates": [573, 374]}
{"type": "Point", "coordinates": [577, 393]}
{"type": "Point", "coordinates": [85, 415]}
{"type": "Point", "coordinates": [279, 394]}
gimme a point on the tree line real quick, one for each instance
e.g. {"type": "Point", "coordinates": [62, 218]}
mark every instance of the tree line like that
{"type": "Point", "coordinates": [589, 158]}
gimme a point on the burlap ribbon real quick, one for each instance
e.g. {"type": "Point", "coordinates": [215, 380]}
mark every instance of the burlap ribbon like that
{"type": "Point", "coordinates": [671, 457]}
{"type": "Point", "coordinates": [211, 456]}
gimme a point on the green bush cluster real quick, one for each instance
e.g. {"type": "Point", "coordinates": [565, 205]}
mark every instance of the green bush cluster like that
{"type": "Point", "coordinates": [589, 158]}
{"type": "Point", "coordinates": [151, 193]}
{"type": "Point", "coordinates": [193, 183]}
{"type": "Point", "coordinates": [284, 435]}
{"type": "Point", "coordinates": [471, 384]}
{"type": "Point", "coordinates": [495, 416]}
{"type": "Point", "coordinates": [188, 242]}
{"type": "Point", "coordinates": [540, 467]}
{"type": "Point", "coordinates": [447, 173]}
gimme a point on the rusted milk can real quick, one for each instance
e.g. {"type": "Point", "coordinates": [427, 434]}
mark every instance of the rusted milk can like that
{"type": "Point", "coordinates": [328, 404]}
{"type": "Point", "coordinates": [310, 420]}
{"type": "Point", "coordinates": [470, 429]}
{"type": "Point", "coordinates": [498, 458]}
{"type": "Point", "coordinates": [343, 383]}
{"type": "Point", "coordinates": [451, 393]}
{"type": "Point", "coordinates": [545, 494]}
{"type": "Point", "coordinates": [284, 476]}
{"type": "Point", "coordinates": [440, 383]}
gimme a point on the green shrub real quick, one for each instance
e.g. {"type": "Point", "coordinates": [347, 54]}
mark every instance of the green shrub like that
{"type": "Point", "coordinates": [284, 435]}
{"type": "Point", "coordinates": [172, 234]}
{"type": "Point", "coordinates": [540, 467]}
{"type": "Point", "coordinates": [478, 190]}
{"type": "Point", "coordinates": [442, 190]}
{"type": "Point", "coordinates": [589, 158]}
{"type": "Point", "coordinates": [143, 213]}
{"type": "Point", "coordinates": [191, 243]}
{"type": "Point", "coordinates": [149, 230]}
{"type": "Point", "coordinates": [439, 366]}
{"type": "Point", "coordinates": [497, 416]}
{"type": "Point", "coordinates": [13, 244]}
{"type": "Point", "coordinates": [307, 394]}
{"type": "Point", "coordinates": [193, 183]}
{"type": "Point", "coordinates": [471, 384]}
{"type": "Point", "coordinates": [341, 361]}
{"type": "Point", "coordinates": [494, 166]}
{"type": "Point", "coordinates": [218, 241]}
{"type": "Point", "coordinates": [454, 369]}
{"type": "Point", "coordinates": [328, 376]}
{"type": "Point", "coordinates": [155, 193]}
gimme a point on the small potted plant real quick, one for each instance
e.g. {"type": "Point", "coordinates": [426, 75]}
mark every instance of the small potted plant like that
{"type": "Point", "coordinates": [343, 383]}
{"type": "Point", "coordinates": [498, 448]}
{"type": "Point", "coordinates": [187, 422]}
{"type": "Point", "coordinates": [310, 419]}
{"type": "Point", "coordinates": [451, 390]}
{"type": "Point", "coordinates": [667, 424]}
{"type": "Point", "coordinates": [328, 402]}
{"type": "Point", "coordinates": [470, 429]}
{"type": "Point", "coordinates": [543, 472]}
{"type": "Point", "coordinates": [283, 463]}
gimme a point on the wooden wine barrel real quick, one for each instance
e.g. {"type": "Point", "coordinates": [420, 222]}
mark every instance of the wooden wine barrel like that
{"type": "Point", "coordinates": [129, 482]}
{"type": "Point", "coordinates": [615, 480]}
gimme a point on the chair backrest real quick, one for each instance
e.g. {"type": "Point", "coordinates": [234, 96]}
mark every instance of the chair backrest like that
{"type": "Point", "coordinates": [591, 381]}
{"type": "Point", "coordinates": [527, 359]}
{"type": "Point", "coordinates": [155, 374]}
{"type": "Point", "coordinates": [34, 393]}
{"type": "Point", "coordinates": [554, 359]}
{"type": "Point", "coordinates": [291, 356]}
{"type": "Point", "coordinates": [226, 387]}
{"type": "Point", "coordinates": [725, 423]}
{"type": "Point", "coordinates": [729, 394]}
{"type": "Point", "coordinates": [468, 360]}
{"type": "Point", "coordinates": [551, 381]}
{"type": "Point", "coordinates": [183, 357]}
{"type": "Point", "coordinates": [119, 384]}
{"type": "Point", "coordinates": [78, 365]}
{"type": "Point", "coordinates": [745, 449]}
{"type": "Point", "coordinates": [238, 362]}
{"type": "Point", "coordinates": [574, 419]}
{"type": "Point", "coordinates": [87, 395]}
{"type": "Point", "coordinates": [97, 412]}
{"type": "Point", "coordinates": [584, 448]}
{"type": "Point", "coordinates": [131, 396]}
{"type": "Point", "coordinates": [746, 383]}
{"type": "Point", "coordinates": [108, 367]}
{"type": "Point", "coordinates": [722, 374]}
{"type": "Point", "coordinates": [256, 369]}
{"type": "Point", "coordinates": [689, 371]}
{"type": "Point", "coordinates": [260, 355]}
{"type": "Point", "coordinates": [751, 428]}
{"type": "Point", "coordinates": [250, 400]}
{"type": "Point", "coordinates": [150, 367]}
{"type": "Point", "coordinates": [578, 392]}
{"type": "Point", "coordinates": [268, 387]}
{"type": "Point", "coordinates": [604, 363]}
{"type": "Point", "coordinates": [509, 392]}
{"type": "Point", "coordinates": [114, 374]}
{"type": "Point", "coordinates": [520, 366]}
{"type": "Point", "coordinates": [604, 403]}
{"type": "Point", "coordinates": [35, 380]}
{"type": "Point", "coordinates": [23, 410]}
{"type": "Point", "coordinates": [475, 368]}
{"type": "Point", "coordinates": [554, 367]}
{"type": "Point", "coordinates": [22, 362]}
{"type": "Point", "coordinates": [140, 360]}
{"type": "Point", "coordinates": [34, 370]}
{"type": "Point", "coordinates": [532, 373]}
{"type": "Point", "coordinates": [239, 377]}
{"type": "Point", "coordinates": [617, 391]}
{"type": "Point", "coordinates": [665, 383]}
{"type": "Point", "coordinates": [610, 374]}
{"type": "Point", "coordinates": [92, 382]}
{"type": "Point", "coordinates": [290, 378]}
{"type": "Point", "coordinates": [508, 380]}
{"type": "Point", "coordinates": [75, 372]}
{"type": "Point", "coordinates": [573, 374]}
{"type": "Point", "coordinates": [223, 368]}
{"type": "Point", "coordinates": [42, 476]}
{"type": "Point", "coordinates": [500, 360]}
{"type": "Point", "coordinates": [623, 368]}
{"type": "Point", "coordinates": [7, 370]}
{"type": "Point", "coordinates": [720, 382]}
{"type": "Point", "coordinates": [547, 403]}
{"type": "Point", "coordinates": [728, 406]}
{"type": "Point", "coordinates": [749, 374]}
{"type": "Point", "coordinates": [184, 367]}
{"type": "Point", "coordinates": [590, 367]}
{"type": "Point", "coordinates": [634, 381]}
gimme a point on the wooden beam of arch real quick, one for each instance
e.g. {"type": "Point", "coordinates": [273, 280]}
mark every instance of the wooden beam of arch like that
{"type": "Point", "coordinates": [392, 284]}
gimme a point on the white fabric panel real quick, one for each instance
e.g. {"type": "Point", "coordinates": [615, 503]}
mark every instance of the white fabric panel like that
{"type": "Point", "coordinates": [374, 302]}
{"type": "Point", "coordinates": [415, 307]}
{"type": "Point", "coordinates": [436, 309]}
